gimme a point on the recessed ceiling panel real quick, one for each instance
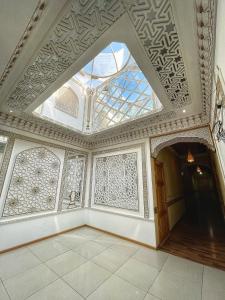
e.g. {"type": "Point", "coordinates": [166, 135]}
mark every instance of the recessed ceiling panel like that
{"type": "Point", "coordinates": [111, 89]}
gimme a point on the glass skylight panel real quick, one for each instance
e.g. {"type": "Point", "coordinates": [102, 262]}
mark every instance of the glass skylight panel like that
{"type": "Point", "coordinates": [118, 88]}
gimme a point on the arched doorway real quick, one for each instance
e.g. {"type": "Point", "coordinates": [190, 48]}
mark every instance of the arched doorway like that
{"type": "Point", "coordinates": [196, 228]}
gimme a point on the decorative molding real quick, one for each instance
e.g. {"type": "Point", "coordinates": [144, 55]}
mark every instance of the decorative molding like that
{"type": "Point", "coordinates": [133, 131]}
{"type": "Point", "coordinates": [150, 131]}
{"type": "Point", "coordinates": [41, 128]}
{"type": "Point", "coordinates": [35, 18]}
{"type": "Point", "coordinates": [6, 158]}
{"type": "Point", "coordinates": [33, 184]}
{"type": "Point", "coordinates": [206, 22]}
{"type": "Point", "coordinates": [199, 135]}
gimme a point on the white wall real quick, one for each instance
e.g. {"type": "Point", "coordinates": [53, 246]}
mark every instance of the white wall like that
{"type": "Point", "coordinates": [137, 229]}
{"type": "Point", "coordinates": [219, 72]}
{"type": "Point", "coordinates": [124, 222]}
{"type": "Point", "coordinates": [22, 229]}
{"type": "Point", "coordinates": [25, 229]}
{"type": "Point", "coordinates": [49, 110]}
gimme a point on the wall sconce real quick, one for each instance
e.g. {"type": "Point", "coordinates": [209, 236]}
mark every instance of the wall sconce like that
{"type": "Point", "coordinates": [219, 126]}
{"type": "Point", "coordinates": [199, 170]}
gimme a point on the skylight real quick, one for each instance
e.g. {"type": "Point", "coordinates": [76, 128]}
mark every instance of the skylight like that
{"type": "Point", "coordinates": [110, 90]}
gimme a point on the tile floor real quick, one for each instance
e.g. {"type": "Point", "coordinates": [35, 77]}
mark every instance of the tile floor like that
{"type": "Point", "coordinates": [88, 264]}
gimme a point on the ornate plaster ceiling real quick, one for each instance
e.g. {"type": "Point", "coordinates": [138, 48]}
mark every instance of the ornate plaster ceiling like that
{"type": "Point", "coordinates": [172, 41]}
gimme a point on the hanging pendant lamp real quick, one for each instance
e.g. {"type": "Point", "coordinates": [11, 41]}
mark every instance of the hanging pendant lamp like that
{"type": "Point", "coordinates": [190, 157]}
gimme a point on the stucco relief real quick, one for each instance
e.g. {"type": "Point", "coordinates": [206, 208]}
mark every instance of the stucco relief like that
{"type": "Point", "coordinates": [33, 184]}
{"type": "Point", "coordinates": [73, 183]}
{"type": "Point", "coordinates": [199, 135]}
{"type": "Point", "coordinates": [116, 181]}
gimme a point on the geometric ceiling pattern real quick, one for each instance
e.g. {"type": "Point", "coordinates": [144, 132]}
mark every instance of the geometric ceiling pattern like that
{"type": "Point", "coordinates": [76, 29]}
{"type": "Point", "coordinates": [154, 23]}
{"type": "Point", "coordinates": [83, 23]}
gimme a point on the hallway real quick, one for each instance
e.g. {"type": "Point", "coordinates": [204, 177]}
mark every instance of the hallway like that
{"type": "Point", "coordinates": [200, 234]}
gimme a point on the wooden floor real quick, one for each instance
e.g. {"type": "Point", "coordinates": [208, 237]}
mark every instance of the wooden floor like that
{"type": "Point", "coordinates": [200, 235]}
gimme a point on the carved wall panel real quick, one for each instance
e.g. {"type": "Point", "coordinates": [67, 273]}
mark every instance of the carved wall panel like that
{"type": "Point", "coordinates": [116, 181]}
{"type": "Point", "coordinates": [34, 182]}
{"type": "Point", "coordinates": [73, 182]}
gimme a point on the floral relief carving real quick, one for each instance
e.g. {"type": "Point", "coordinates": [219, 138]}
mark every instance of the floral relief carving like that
{"type": "Point", "coordinates": [116, 181]}
{"type": "Point", "coordinates": [73, 186]}
{"type": "Point", "coordinates": [34, 182]}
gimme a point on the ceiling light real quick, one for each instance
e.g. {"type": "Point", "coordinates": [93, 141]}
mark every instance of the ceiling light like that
{"type": "Point", "coordinates": [10, 111]}
{"type": "Point", "coordinates": [184, 110]}
{"type": "Point", "coordinates": [190, 157]}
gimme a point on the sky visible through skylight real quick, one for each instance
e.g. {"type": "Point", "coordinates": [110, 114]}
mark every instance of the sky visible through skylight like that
{"type": "Point", "coordinates": [120, 91]}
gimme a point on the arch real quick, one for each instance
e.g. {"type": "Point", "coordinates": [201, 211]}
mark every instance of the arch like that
{"type": "Point", "coordinates": [34, 182]}
{"type": "Point", "coordinates": [67, 101]}
{"type": "Point", "coordinates": [199, 135]}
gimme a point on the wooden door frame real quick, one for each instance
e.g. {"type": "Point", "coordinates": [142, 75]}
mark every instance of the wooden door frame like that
{"type": "Point", "coordinates": [160, 242]}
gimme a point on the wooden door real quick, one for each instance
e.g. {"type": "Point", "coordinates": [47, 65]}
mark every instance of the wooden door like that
{"type": "Point", "coordinates": [162, 210]}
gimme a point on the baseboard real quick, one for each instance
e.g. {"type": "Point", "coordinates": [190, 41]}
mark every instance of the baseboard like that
{"type": "Point", "coordinates": [122, 237]}
{"type": "Point", "coordinates": [74, 228]}
{"type": "Point", "coordinates": [40, 239]}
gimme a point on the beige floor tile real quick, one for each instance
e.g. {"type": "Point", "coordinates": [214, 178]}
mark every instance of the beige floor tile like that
{"type": "Point", "coordinates": [65, 262]}
{"type": "Point", "coordinates": [169, 286]}
{"type": "Point", "coordinates": [3, 293]}
{"type": "Point", "coordinates": [209, 294]}
{"type": "Point", "coordinates": [17, 261]}
{"type": "Point", "coordinates": [25, 284]}
{"type": "Point", "coordinates": [89, 233]}
{"type": "Point", "coordinates": [109, 239]}
{"type": "Point", "coordinates": [104, 241]}
{"type": "Point", "coordinates": [71, 241]}
{"type": "Point", "coordinates": [184, 268]}
{"type": "Point", "coordinates": [86, 278]}
{"type": "Point", "coordinates": [151, 257]}
{"type": "Point", "coordinates": [138, 274]}
{"type": "Point", "coordinates": [125, 250]}
{"type": "Point", "coordinates": [110, 260]}
{"type": "Point", "coordinates": [213, 279]}
{"type": "Point", "coordinates": [151, 297]}
{"type": "Point", "coordinates": [47, 249]}
{"type": "Point", "coordinates": [116, 288]}
{"type": "Point", "coordinates": [58, 290]}
{"type": "Point", "coordinates": [90, 249]}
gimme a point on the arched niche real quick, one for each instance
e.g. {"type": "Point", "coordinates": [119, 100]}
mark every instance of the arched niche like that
{"type": "Point", "coordinates": [66, 100]}
{"type": "Point", "coordinates": [33, 184]}
{"type": "Point", "coordinates": [199, 135]}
